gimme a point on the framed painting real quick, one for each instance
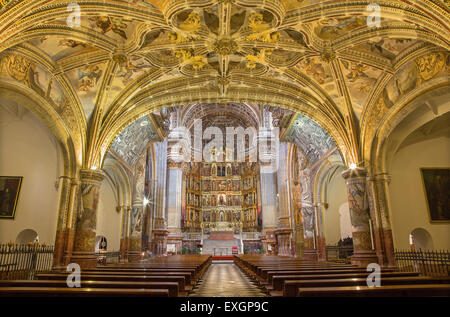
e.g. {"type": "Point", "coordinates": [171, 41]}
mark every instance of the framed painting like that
{"type": "Point", "coordinates": [436, 183]}
{"type": "Point", "coordinates": [9, 195]}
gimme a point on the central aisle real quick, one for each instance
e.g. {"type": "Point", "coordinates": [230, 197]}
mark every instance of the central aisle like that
{"type": "Point", "coordinates": [224, 279]}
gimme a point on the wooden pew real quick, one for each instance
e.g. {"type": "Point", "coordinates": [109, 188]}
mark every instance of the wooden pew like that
{"type": "Point", "coordinates": [171, 287]}
{"type": "Point", "coordinates": [266, 274]}
{"type": "Point", "coordinates": [442, 290]}
{"type": "Point", "coordinates": [271, 274]}
{"type": "Point", "coordinates": [80, 292]}
{"type": "Point", "coordinates": [179, 280]}
{"type": "Point", "coordinates": [187, 275]}
{"type": "Point", "coordinates": [286, 285]}
{"type": "Point", "coordinates": [290, 287]}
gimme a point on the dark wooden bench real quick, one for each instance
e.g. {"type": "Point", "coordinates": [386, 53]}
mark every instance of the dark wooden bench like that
{"type": "Point", "coordinates": [265, 274]}
{"type": "Point", "coordinates": [193, 275]}
{"type": "Point", "coordinates": [285, 284]}
{"type": "Point", "coordinates": [171, 287]}
{"type": "Point", "coordinates": [290, 287]}
{"type": "Point", "coordinates": [271, 274]}
{"type": "Point", "coordinates": [179, 280]}
{"type": "Point", "coordinates": [80, 292]}
{"type": "Point", "coordinates": [383, 291]}
{"type": "Point", "coordinates": [187, 275]}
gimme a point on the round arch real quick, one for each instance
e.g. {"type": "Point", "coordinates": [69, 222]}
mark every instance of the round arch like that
{"type": "Point", "coordinates": [114, 124]}
{"type": "Point", "coordinates": [420, 239]}
{"type": "Point", "coordinates": [27, 236]}
{"type": "Point", "coordinates": [412, 111]}
{"type": "Point", "coordinates": [36, 104]}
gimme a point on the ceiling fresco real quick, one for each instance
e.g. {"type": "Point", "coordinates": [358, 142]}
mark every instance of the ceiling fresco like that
{"type": "Point", "coordinates": [318, 58]}
{"type": "Point", "coordinates": [310, 137]}
{"type": "Point", "coordinates": [131, 142]}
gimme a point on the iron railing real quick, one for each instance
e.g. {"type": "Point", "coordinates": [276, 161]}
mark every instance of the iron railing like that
{"type": "Point", "coordinates": [104, 258]}
{"type": "Point", "coordinates": [339, 253]}
{"type": "Point", "coordinates": [429, 263]}
{"type": "Point", "coordinates": [23, 261]}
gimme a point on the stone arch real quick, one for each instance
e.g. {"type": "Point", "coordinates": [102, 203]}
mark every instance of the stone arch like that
{"type": "Point", "coordinates": [420, 239]}
{"type": "Point", "coordinates": [36, 104]}
{"type": "Point", "coordinates": [335, 128]}
{"type": "Point", "coordinates": [413, 111]}
{"type": "Point", "coordinates": [27, 236]}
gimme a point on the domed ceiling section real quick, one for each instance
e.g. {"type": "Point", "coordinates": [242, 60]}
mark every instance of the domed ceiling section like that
{"type": "Point", "coordinates": [221, 115]}
{"type": "Point", "coordinates": [317, 57]}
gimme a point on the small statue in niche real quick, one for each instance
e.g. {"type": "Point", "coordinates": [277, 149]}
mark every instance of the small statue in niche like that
{"type": "Point", "coordinates": [229, 171]}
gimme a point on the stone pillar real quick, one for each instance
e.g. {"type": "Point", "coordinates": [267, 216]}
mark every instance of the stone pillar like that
{"type": "Point", "coordinates": [173, 200]}
{"type": "Point", "coordinates": [297, 218]}
{"type": "Point", "coordinates": [84, 244]}
{"type": "Point", "coordinates": [284, 232]}
{"type": "Point", "coordinates": [124, 241]}
{"type": "Point", "coordinates": [268, 199]}
{"type": "Point", "coordinates": [61, 231]}
{"type": "Point", "coordinates": [72, 212]}
{"type": "Point", "coordinates": [135, 239]}
{"type": "Point", "coordinates": [310, 251]}
{"type": "Point", "coordinates": [320, 237]}
{"type": "Point", "coordinates": [378, 202]}
{"type": "Point", "coordinates": [137, 212]}
{"type": "Point", "coordinates": [159, 230]}
{"type": "Point", "coordinates": [364, 252]}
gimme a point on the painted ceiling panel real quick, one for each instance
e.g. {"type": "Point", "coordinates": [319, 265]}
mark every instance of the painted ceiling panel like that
{"type": "Point", "coordinates": [132, 141]}
{"type": "Point", "coordinates": [310, 137]}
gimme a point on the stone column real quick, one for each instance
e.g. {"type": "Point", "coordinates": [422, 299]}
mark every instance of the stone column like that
{"type": "Point", "coordinates": [310, 251]}
{"type": "Point", "coordinates": [268, 199]}
{"type": "Point", "coordinates": [124, 241]}
{"type": "Point", "coordinates": [268, 151]}
{"type": "Point", "coordinates": [72, 212]}
{"type": "Point", "coordinates": [364, 252]}
{"type": "Point", "coordinates": [173, 200]}
{"type": "Point", "coordinates": [86, 223]}
{"type": "Point", "coordinates": [61, 231]}
{"type": "Point", "coordinates": [297, 218]}
{"type": "Point", "coordinates": [173, 203]}
{"type": "Point", "coordinates": [159, 230]}
{"type": "Point", "coordinates": [284, 231]}
{"type": "Point", "coordinates": [137, 212]}
{"type": "Point", "coordinates": [320, 237]}
{"type": "Point", "coordinates": [378, 202]}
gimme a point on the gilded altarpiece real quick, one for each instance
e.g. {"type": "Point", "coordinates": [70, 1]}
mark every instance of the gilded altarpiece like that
{"type": "Point", "coordinates": [221, 197]}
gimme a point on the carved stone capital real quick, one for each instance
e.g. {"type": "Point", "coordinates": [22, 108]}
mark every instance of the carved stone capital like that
{"type": "Point", "coordinates": [355, 173]}
{"type": "Point", "coordinates": [91, 176]}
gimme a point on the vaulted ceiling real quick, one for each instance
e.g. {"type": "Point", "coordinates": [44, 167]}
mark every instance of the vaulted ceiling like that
{"type": "Point", "coordinates": [128, 58]}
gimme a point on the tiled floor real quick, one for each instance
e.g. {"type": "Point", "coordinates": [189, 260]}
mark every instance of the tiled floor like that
{"type": "Point", "coordinates": [224, 279]}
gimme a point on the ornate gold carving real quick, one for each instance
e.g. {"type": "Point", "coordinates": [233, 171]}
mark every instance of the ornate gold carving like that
{"type": "Point", "coordinates": [328, 57]}
{"type": "Point", "coordinates": [191, 24]}
{"type": "Point", "coordinates": [17, 66]}
{"type": "Point", "coordinates": [225, 47]}
{"type": "Point", "coordinates": [197, 62]}
{"type": "Point", "coordinates": [262, 31]}
{"type": "Point", "coordinates": [260, 58]}
{"type": "Point", "coordinates": [188, 28]}
{"type": "Point", "coordinates": [429, 66]}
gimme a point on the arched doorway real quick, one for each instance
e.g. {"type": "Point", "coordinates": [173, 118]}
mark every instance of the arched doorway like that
{"type": "Point", "coordinates": [27, 236]}
{"type": "Point", "coordinates": [420, 239]}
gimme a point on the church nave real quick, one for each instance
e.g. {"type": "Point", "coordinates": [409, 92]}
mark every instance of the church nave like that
{"type": "Point", "coordinates": [224, 279]}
